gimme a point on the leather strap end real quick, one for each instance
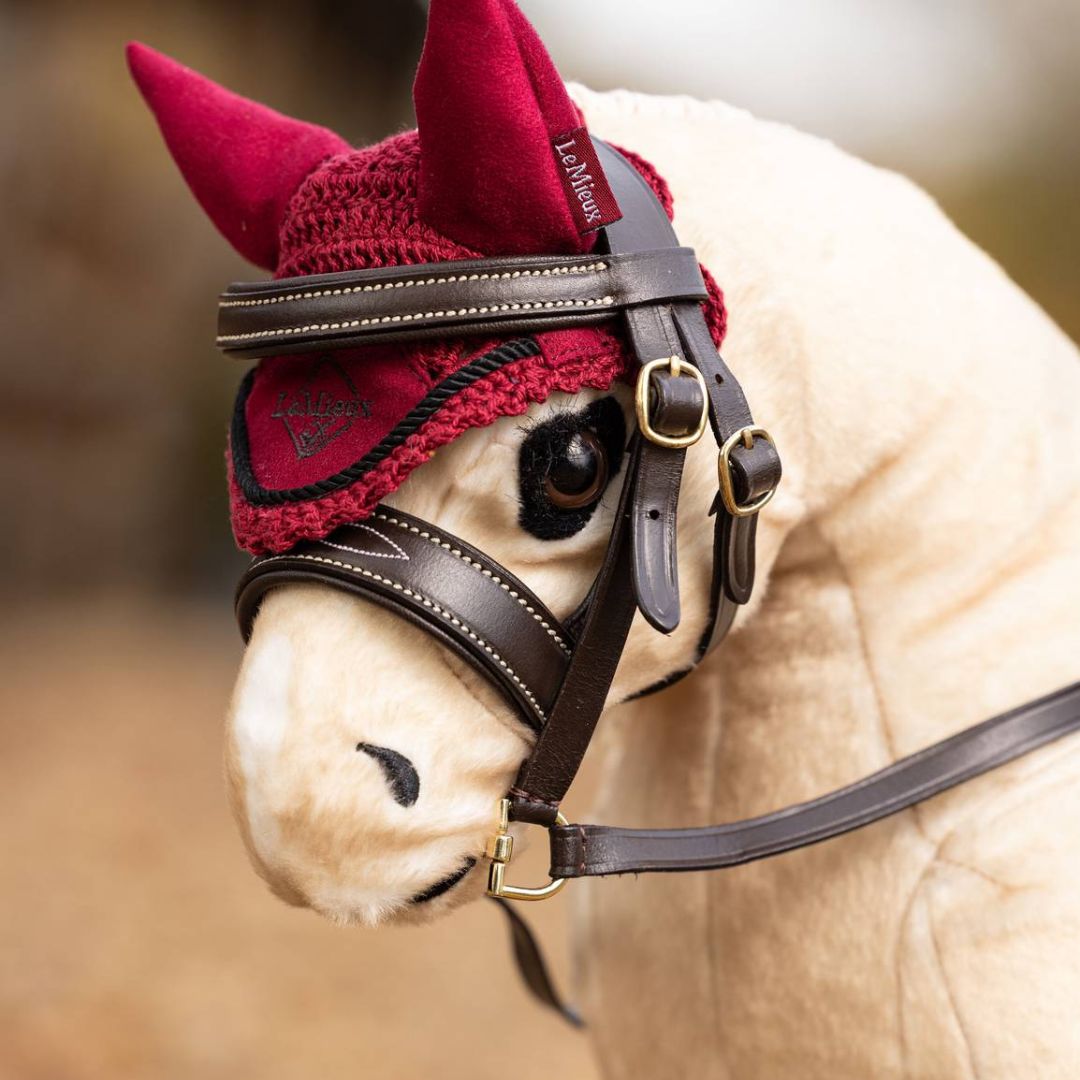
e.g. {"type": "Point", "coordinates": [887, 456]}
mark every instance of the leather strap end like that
{"type": "Point", "coordinates": [737, 549]}
{"type": "Point", "coordinates": [530, 962]}
{"type": "Point", "coordinates": [675, 407]}
{"type": "Point", "coordinates": [656, 584]}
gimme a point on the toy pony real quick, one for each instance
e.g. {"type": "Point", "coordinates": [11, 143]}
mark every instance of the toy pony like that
{"type": "Point", "coordinates": [484, 329]}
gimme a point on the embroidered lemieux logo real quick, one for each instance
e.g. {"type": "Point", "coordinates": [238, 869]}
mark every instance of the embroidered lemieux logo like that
{"type": "Point", "coordinates": [323, 409]}
{"type": "Point", "coordinates": [591, 201]}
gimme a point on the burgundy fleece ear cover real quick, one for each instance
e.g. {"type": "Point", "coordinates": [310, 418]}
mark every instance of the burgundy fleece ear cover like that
{"type": "Point", "coordinates": [481, 176]}
{"type": "Point", "coordinates": [242, 160]}
{"type": "Point", "coordinates": [489, 104]}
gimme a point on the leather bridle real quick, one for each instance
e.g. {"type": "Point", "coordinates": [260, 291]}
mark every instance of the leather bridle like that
{"type": "Point", "coordinates": [556, 675]}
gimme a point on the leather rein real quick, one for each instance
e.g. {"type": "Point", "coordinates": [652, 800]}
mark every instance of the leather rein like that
{"type": "Point", "coordinates": [557, 675]}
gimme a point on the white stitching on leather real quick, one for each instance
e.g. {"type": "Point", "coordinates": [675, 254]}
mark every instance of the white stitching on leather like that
{"type": "Point", "coordinates": [458, 553]}
{"type": "Point", "coordinates": [428, 604]}
{"type": "Point", "coordinates": [450, 279]}
{"type": "Point", "coordinates": [419, 316]}
{"type": "Point", "coordinates": [402, 555]}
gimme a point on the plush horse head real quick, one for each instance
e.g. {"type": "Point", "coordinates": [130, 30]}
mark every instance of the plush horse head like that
{"type": "Point", "coordinates": [917, 570]}
{"type": "Point", "coordinates": [366, 759]}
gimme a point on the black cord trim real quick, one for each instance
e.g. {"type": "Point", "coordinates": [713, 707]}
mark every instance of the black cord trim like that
{"type": "Point", "coordinates": [258, 495]}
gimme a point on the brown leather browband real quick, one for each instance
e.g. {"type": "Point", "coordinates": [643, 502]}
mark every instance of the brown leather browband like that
{"type": "Point", "coordinates": [558, 679]}
{"type": "Point", "coordinates": [536, 292]}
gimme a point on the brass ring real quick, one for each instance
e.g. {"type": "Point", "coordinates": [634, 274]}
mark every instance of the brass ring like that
{"type": "Point", "coordinates": [499, 850]}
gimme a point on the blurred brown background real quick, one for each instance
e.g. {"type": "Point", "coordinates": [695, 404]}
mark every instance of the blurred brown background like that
{"type": "Point", "coordinates": [135, 940]}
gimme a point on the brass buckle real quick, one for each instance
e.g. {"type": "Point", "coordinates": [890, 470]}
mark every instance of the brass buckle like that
{"type": "Point", "coordinates": [745, 436]}
{"type": "Point", "coordinates": [676, 367]}
{"type": "Point", "coordinates": [499, 849]}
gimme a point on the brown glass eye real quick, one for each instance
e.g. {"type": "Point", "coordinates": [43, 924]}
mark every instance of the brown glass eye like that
{"type": "Point", "coordinates": [577, 473]}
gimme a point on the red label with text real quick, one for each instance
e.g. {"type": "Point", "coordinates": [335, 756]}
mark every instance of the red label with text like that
{"type": "Point", "coordinates": [591, 202]}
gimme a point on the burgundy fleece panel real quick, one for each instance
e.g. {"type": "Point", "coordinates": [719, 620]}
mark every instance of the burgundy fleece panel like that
{"type": "Point", "coordinates": [489, 104]}
{"type": "Point", "coordinates": [309, 417]}
{"type": "Point", "coordinates": [242, 160]}
{"type": "Point", "coordinates": [570, 361]}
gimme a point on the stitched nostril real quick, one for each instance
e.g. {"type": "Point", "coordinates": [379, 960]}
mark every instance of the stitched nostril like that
{"type": "Point", "coordinates": [399, 771]}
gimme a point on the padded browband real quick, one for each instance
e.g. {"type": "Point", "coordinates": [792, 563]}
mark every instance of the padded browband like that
{"type": "Point", "coordinates": [440, 583]}
{"type": "Point", "coordinates": [439, 299]}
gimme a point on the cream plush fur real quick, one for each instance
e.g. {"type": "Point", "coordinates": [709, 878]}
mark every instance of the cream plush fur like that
{"type": "Point", "coordinates": [919, 572]}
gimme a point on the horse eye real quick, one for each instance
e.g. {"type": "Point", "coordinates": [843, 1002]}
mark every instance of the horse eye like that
{"type": "Point", "coordinates": [578, 471]}
{"type": "Point", "coordinates": [565, 465]}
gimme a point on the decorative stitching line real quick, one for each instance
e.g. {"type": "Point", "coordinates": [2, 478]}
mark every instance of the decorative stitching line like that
{"type": "Point", "coordinates": [420, 316]}
{"type": "Point", "coordinates": [459, 554]}
{"type": "Point", "coordinates": [448, 280]}
{"type": "Point", "coordinates": [402, 554]}
{"type": "Point", "coordinates": [453, 619]}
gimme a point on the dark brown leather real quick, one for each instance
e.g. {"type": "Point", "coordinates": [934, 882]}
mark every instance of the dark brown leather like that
{"type": "Point", "coordinates": [675, 410]}
{"type": "Point", "coordinates": [755, 471]}
{"type": "Point", "coordinates": [591, 850]}
{"type": "Point", "coordinates": [530, 962]}
{"type": "Point", "coordinates": [439, 299]}
{"type": "Point", "coordinates": [551, 767]}
{"type": "Point", "coordinates": [679, 328]}
{"type": "Point", "coordinates": [652, 335]}
{"type": "Point", "coordinates": [452, 590]}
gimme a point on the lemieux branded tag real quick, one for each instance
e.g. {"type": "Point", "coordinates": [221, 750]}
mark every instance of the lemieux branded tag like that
{"type": "Point", "coordinates": [591, 202]}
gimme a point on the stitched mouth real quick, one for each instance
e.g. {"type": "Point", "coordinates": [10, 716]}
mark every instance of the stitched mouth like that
{"type": "Point", "coordinates": [442, 887]}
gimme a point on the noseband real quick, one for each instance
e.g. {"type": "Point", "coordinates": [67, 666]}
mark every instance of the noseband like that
{"type": "Point", "coordinates": [558, 675]}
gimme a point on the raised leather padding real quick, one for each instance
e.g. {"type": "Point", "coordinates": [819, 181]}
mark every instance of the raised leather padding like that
{"type": "Point", "coordinates": [487, 296]}
{"type": "Point", "coordinates": [444, 585]}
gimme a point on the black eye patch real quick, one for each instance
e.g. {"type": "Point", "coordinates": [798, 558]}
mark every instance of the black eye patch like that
{"type": "Point", "coordinates": [572, 453]}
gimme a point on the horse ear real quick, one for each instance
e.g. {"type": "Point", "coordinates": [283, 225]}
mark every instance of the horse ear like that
{"type": "Point", "coordinates": [242, 160]}
{"type": "Point", "coordinates": [492, 111]}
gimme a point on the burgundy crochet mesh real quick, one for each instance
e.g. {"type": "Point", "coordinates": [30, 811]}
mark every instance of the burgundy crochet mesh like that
{"type": "Point", "coordinates": [359, 210]}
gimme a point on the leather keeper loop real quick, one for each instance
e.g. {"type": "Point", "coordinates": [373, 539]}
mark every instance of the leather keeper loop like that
{"type": "Point", "coordinates": [675, 404]}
